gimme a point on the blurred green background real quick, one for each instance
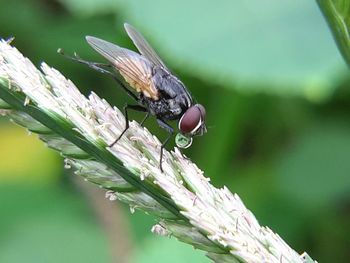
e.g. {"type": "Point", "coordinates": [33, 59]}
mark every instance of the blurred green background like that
{"type": "Point", "coordinates": [277, 96]}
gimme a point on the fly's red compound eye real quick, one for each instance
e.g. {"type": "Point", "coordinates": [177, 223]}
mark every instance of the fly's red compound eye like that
{"type": "Point", "coordinates": [192, 119]}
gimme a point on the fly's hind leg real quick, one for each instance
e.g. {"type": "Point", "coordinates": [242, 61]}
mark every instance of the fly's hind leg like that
{"type": "Point", "coordinates": [144, 118]}
{"type": "Point", "coordinates": [170, 130]}
{"type": "Point", "coordinates": [125, 108]}
{"type": "Point", "coordinates": [102, 68]}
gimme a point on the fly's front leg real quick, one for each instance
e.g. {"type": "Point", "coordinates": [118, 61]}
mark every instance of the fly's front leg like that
{"type": "Point", "coordinates": [170, 130]}
{"type": "Point", "coordinates": [125, 108]}
{"type": "Point", "coordinates": [182, 155]}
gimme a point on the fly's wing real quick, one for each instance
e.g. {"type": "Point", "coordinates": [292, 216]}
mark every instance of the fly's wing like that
{"type": "Point", "coordinates": [144, 47]}
{"type": "Point", "coordinates": [134, 68]}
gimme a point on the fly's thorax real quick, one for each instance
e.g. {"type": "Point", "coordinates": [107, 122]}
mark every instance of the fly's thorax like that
{"type": "Point", "coordinates": [166, 109]}
{"type": "Point", "coordinates": [171, 88]}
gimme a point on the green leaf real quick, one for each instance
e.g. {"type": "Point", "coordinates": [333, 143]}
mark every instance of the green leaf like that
{"type": "Point", "coordinates": [315, 171]}
{"type": "Point", "coordinates": [337, 14]}
{"type": "Point", "coordinates": [43, 223]}
{"type": "Point", "coordinates": [158, 250]}
{"type": "Point", "coordinates": [280, 46]}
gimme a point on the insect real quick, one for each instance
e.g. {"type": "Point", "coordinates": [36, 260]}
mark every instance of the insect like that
{"type": "Point", "coordinates": [158, 91]}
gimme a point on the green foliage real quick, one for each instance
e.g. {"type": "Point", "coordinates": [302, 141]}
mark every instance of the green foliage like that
{"type": "Point", "coordinates": [337, 14]}
{"type": "Point", "coordinates": [286, 156]}
{"type": "Point", "coordinates": [285, 48]}
{"type": "Point", "coordinates": [155, 250]}
{"type": "Point", "coordinates": [48, 224]}
{"type": "Point", "coordinates": [321, 152]}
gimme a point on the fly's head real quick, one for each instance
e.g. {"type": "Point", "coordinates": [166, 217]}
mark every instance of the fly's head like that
{"type": "Point", "coordinates": [192, 123]}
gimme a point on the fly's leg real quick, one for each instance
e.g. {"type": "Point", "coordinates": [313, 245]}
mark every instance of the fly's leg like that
{"type": "Point", "coordinates": [129, 92]}
{"type": "Point", "coordinates": [183, 156]}
{"type": "Point", "coordinates": [144, 118]}
{"type": "Point", "coordinates": [100, 67]}
{"type": "Point", "coordinates": [125, 108]}
{"type": "Point", "coordinates": [170, 130]}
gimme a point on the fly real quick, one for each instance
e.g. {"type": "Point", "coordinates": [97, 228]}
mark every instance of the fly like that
{"type": "Point", "coordinates": [158, 91]}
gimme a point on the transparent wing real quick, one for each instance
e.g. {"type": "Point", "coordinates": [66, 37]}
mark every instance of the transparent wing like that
{"type": "Point", "coordinates": [135, 69]}
{"type": "Point", "coordinates": [144, 47]}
